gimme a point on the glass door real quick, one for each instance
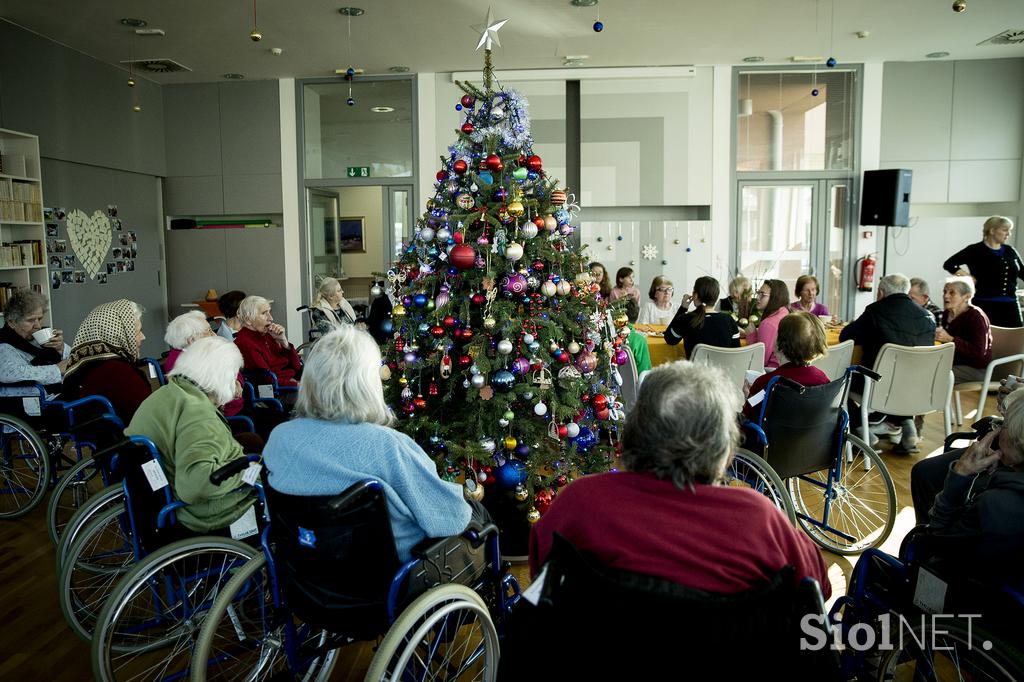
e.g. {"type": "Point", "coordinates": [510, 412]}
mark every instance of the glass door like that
{"type": "Point", "coordinates": [398, 218]}
{"type": "Point", "coordinates": [322, 212]}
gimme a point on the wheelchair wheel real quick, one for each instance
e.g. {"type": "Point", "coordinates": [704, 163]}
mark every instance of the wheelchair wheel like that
{"type": "Point", "coordinates": [245, 637]}
{"type": "Point", "coordinates": [74, 488]}
{"type": "Point", "coordinates": [861, 504]}
{"type": "Point", "coordinates": [95, 563]}
{"type": "Point", "coordinates": [110, 496]}
{"type": "Point", "coordinates": [953, 650]}
{"type": "Point", "coordinates": [747, 470]}
{"type": "Point", "coordinates": [446, 633]}
{"type": "Point", "coordinates": [147, 627]}
{"type": "Point", "coordinates": [24, 468]}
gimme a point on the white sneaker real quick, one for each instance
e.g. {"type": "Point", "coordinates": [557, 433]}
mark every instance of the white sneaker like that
{"type": "Point", "coordinates": [885, 429]}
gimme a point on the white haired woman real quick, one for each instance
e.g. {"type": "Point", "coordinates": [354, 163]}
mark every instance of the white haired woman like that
{"type": "Point", "coordinates": [995, 266]}
{"type": "Point", "coordinates": [340, 434]}
{"type": "Point", "coordinates": [967, 326]}
{"type": "Point", "coordinates": [182, 331]}
{"type": "Point", "coordinates": [22, 358]}
{"type": "Point", "coordinates": [104, 358]}
{"type": "Point", "coordinates": [329, 307]}
{"type": "Point", "coordinates": [182, 419]}
{"type": "Point", "coordinates": [666, 515]}
{"type": "Point", "coordinates": [264, 344]}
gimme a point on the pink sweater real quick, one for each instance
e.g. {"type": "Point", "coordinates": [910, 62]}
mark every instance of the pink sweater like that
{"type": "Point", "coordinates": [766, 334]}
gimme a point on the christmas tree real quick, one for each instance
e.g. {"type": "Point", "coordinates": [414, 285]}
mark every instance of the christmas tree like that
{"type": "Point", "coordinates": [502, 360]}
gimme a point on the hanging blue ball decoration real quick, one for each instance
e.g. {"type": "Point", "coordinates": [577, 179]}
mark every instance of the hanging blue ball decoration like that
{"type": "Point", "coordinates": [458, 107]}
{"type": "Point", "coordinates": [689, 249]}
{"type": "Point", "coordinates": [350, 71]}
{"type": "Point", "coordinates": [511, 473]}
{"type": "Point", "coordinates": [815, 92]}
{"type": "Point", "coordinates": [585, 440]}
{"type": "Point", "coordinates": [387, 327]}
{"type": "Point", "coordinates": [620, 238]}
{"type": "Point", "coordinates": [350, 101]}
{"type": "Point", "coordinates": [598, 27]}
{"type": "Point", "coordinates": [831, 62]}
{"type": "Point", "coordinates": [420, 300]}
{"type": "Point", "coordinates": [503, 380]}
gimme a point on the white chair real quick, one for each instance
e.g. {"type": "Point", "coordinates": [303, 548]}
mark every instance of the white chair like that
{"type": "Point", "coordinates": [630, 382]}
{"type": "Point", "coordinates": [914, 380]}
{"type": "Point", "coordinates": [735, 361]}
{"type": "Point", "coordinates": [835, 362]}
{"type": "Point", "coordinates": [1007, 359]}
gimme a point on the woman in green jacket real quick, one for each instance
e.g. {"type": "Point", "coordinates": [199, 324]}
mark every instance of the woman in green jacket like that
{"type": "Point", "coordinates": [193, 437]}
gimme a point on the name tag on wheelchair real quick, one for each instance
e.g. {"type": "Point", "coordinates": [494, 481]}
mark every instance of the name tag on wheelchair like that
{"type": "Point", "coordinates": [154, 474]}
{"type": "Point", "coordinates": [245, 526]}
{"type": "Point", "coordinates": [533, 592]}
{"type": "Point", "coordinates": [31, 406]}
{"type": "Point", "coordinates": [152, 370]}
{"type": "Point", "coordinates": [252, 474]}
{"type": "Point", "coordinates": [755, 399]}
{"type": "Point", "coordinates": [929, 592]}
{"type": "Point", "coordinates": [265, 390]}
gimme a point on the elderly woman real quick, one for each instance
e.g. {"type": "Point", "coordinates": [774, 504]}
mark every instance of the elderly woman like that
{"type": "Point", "coordinates": [659, 308]}
{"type": "Point", "coordinates": [182, 420]}
{"type": "Point", "coordinates": [600, 277]}
{"type": "Point", "coordinates": [801, 341]}
{"type": "Point", "coordinates": [228, 304]}
{"type": "Point", "coordinates": [968, 327]}
{"type": "Point", "coordinates": [740, 301]}
{"type": "Point", "coordinates": [329, 307]}
{"type": "Point", "coordinates": [772, 306]}
{"type": "Point", "coordinates": [340, 434]}
{"type": "Point", "coordinates": [703, 324]}
{"type": "Point", "coordinates": [806, 290]}
{"type": "Point", "coordinates": [666, 515]}
{"type": "Point", "coordinates": [22, 358]}
{"type": "Point", "coordinates": [625, 286]}
{"type": "Point", "coordinates": [264, 344]}
{"type": "Point", "coordinates": [995, 267]}
{"type": "Point", "coordinates": [104, 358]}
{"type": "Point", "coordinates": [181, 332]}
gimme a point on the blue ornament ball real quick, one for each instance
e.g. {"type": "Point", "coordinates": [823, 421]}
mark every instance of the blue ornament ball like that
{"type": "Point", "coordinates": [585, 440]}
{"type": "Point", "coordinates": [510, 474]}
{"type": "Point", "coordinates": [350, 71]}
{"type": "Point", "coordinates": [420, 300]}
{"type": "Point", "coordinates": [598, 27]}
{"type": "Point", "coordinates": [815, 92]}
{"type": "Point", "coordinates": [523, 450]}
{"type": "Point", "coordinates": [503, 380]}
{"type": "Point", "coordinates": [620, 238]}
{"type": "Point", "coordinates": [458, 107]}
{"type": "Point", "coordinates": [689, 249]}
{"type": "Point", "coordinates": [350, 101]}
{"type": "Point", "coordinates": [831, 63]}
{"type": "Point", "coordinates": [387, 326]}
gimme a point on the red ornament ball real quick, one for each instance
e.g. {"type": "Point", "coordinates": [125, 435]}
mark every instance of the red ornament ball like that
{"type": "Point", "coordinates": [533, 163]}
{"type": "Point", "coordinates": [442, 175]}
{"type": "Point", "coordinates": [494, 162]}
{"type": "Point", "coordinates": [459, 237]}
{"type": "Point", "coordinates": [600, 401]}
{"type": "Point", "coordinates": [468, 101]}
{"type": "Point", "coordinates": [466, 335]}
{"type": "Point", "coordinates": [539, 222]}
{"type": "Point", "coordinates": [465, 361]}
{"type": "Point", "coordinates": [543, 499]}
{"type": "Point", "coordinates": [437, 331]}
{"type": "Point", "coordinates": [562, 431]}
{"type": "Point", "coordinates": [459, 167]}
{"type": "Point", "coordinates": [467, 127]}
{"type": "Point", "coordinates": [478, 298]}
{"type": "Point", "coordinates": [419, 402]}
{"type": "Point", "coordinates": [538, 265]}
{"type": "Point", "coordinates": [448, 321]}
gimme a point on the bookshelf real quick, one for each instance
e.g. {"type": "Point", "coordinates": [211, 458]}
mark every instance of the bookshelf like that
{"type": "Point", "coordinates": [22, 229]}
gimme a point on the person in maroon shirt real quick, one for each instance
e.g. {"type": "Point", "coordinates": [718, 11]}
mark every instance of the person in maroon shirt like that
{"type": "Point", "coordinates": [105, 355]}
{"type": "Point", "coordinates": [264, 344]}
{"type": "Point", "coordinates": [967, 326]}
{"type": "Point", "coordinates": [666, 515]}
{"type": "Point", "coordinates": [801, 340]}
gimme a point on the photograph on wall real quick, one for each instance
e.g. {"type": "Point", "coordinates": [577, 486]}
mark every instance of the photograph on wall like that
{"type": "Point", "coordinates": [131, 236]}
{"type": "Point", "coordinates": [350, 234]}
{"type": "Point", "coordinates": [101, 278]}
{"type": "Point", "coordinates": [55, 279]}
{"type": "Point", "coordinates": [111, 268]}
{"type": "Point", "coordinates": [55, 262]}
{"type": "Point", "coordinates": [79, 276]}
{"type": "Point", "coordinates": [69, 261]}
{"type": "Point", "coordinates": [130, 264]}
{"type": "Point", "coordinates": [116, 223]}
{"type": "Point", "coordinates": [124, 239]}
{"type": "Point", "coordinates": [67, 276]}
{"type": "Point", "coordinates": [60, 245]}
{"type": "Point", "coordinates": [121, 267]}
{"type": "Point", "coordinates": [135, 251]}
{"type": "Point", "coordinates": [116, 254]}
{"type": "Point", "coordinates": [52, 229]}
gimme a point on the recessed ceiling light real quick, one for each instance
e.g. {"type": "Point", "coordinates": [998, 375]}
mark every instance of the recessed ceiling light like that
{"type": "Point", "coordinates": [936, 55]}
{"type": "Point", "coordinates": [382, 110]}
{"type": "Point", "coordinates": [398, 69]}
{"type": "Point", "coordinates": [134, 23]}
{"type": "Point", "coordinates": [753, 60]}
{"type": "Point", "coordinates": [582, 3]}
{"type": "Point", "coordinates": [352, 11]}
{"type": "Point", "coordinates": [234, 76]}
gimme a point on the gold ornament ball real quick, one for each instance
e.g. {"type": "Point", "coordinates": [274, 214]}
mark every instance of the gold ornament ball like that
{"type": "Point", "coordinates": [136, 108]}
{"type": "Point", "coordinates": [490, 323]}
{"type": "Point", "coordinates": [533, 516]}
{"type": "Point", "coordinates": [398, 311]}
{"type": "Point", "coordinates": [385, 372]}
{"type": "Point", "coordinates": [255, 36]}
{"type": "Point", "coordinates": [621, 321]}
{"type": "Point", "coordinates": [510, 443]}
{"type": "Point", "coordinates": [573, 348]}
{"type": "Point", "coordinates": [550, 223]}
{"type": "Point", "coordinates": [402, 381]}
{"type": "Point", "coordinates": [131, 82]}
{"type": "Point", "coordinates": [516, 209]}
{"type": "Point", "coordinates": [521, 492]}
{"type": "Point", "coordinates": [472, 490]}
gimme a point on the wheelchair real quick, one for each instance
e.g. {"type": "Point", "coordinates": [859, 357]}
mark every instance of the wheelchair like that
{"type": "Point", "coordinates": [263, 387]}
{"type": "Point", "coordinates": [329, 575]}
{"type": "Point", "coordinates": [840, 488]}
{"type": "Point", "coordinates": [662, 630]}
{"type": "Point", "coordinates": [911, 618]}
{"type": "Point", "coordinates": [151, 606]}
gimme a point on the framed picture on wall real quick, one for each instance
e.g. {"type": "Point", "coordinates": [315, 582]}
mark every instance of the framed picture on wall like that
{"type": "Point", "coordinates": [350, 234]}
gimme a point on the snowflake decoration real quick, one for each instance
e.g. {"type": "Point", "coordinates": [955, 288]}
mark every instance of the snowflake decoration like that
{"type": "Point", "coordinates": [649, 251]}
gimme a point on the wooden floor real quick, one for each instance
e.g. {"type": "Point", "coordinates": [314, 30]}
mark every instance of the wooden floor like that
{"type": "Point", "coordinates": [37, 645]}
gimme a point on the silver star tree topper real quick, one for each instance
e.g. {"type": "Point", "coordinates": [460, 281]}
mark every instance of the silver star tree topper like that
{"type": "Point", "coordinates": [489, 31]}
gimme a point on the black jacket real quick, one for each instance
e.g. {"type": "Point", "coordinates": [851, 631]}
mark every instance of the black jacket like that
{"type": "Point", "coordinates": [894, 319]}
{"type": "Point", "coordinates": [995, 272]}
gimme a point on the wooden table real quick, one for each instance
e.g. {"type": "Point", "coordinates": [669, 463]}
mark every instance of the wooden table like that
{"type": "Point", "coordinates": [661, 352]}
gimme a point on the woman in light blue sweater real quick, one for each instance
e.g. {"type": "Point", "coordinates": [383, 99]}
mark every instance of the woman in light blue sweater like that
{"type": "Point", "coordinates": [340, 434]}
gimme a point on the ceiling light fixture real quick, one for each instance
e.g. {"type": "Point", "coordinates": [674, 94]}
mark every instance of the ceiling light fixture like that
{"type": "Point", "coordinates": [382, 110]}
{"type": "Point", "coordinates": [352, 11]}
{"type": "Point", "coordinates": [936, 55]}
{"type": "Point", "coordinates": [234, 76]}
{"type": "Point", "coordinates": [582, 3]}
{"type": "Point", "coordinates": [753, 60]}
{"type": "Point", "coordinates": [134, 23]}
{"type": "Point", "coordinates": [255, 36]}
{"type": "Point", "coordinates": [398, 69]}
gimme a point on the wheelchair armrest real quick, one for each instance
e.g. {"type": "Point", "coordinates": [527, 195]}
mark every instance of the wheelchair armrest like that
{"type": "Point", "coordinates": [239, 423]}
{"type": "Point", "coordinates": [860, 369]}
{"type": "Point", "coordinates": [232, 468]}
{"type": "Point", "coordinates": [27, 384]}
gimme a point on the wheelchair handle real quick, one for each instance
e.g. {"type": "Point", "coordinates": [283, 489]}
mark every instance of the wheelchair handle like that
{"type": "Point", "coordinates": [232, 468]}
{"type": "Point", "coordinates": [870, 374]}
{"type": "Point", "coordinates": [302, 308]}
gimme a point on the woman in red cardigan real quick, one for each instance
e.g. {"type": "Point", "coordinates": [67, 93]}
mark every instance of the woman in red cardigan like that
{"type": "Point", "coordinates": [264, 344]}
{"type": "Point", "coordinates": [967, 326]}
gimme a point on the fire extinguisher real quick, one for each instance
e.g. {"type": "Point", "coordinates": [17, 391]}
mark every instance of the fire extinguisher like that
{"type": "Point", "coordinates": [866, 277]}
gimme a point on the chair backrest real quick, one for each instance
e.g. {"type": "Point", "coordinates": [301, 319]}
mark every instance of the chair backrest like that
{"type": "Point", "coordinates": [915, 379]}
{"type": "Point", "coordinates": [735, 361]}
{"type": "Point", "coordinates": [678, 628]}
{"type": "Point", "coordinates": [1007, 341]}
{"type": "Point", "coordinates": [141, 500]}
{"type": "Point", "coordinates": [630, 381]}
{"type": "Point", "coordinates": [835, 362]}
{"type": "Point", "coordinates": [803, 425]}
{"type": "Point", "coordinates": [335, 557]}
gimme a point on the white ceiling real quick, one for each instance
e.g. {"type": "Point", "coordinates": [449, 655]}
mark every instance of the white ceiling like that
{"type": "Point", "coordinates": [212, 36]}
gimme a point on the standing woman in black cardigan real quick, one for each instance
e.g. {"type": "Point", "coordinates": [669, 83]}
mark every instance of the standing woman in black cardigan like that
{"type": "Point", "coordinates": [995, 267]}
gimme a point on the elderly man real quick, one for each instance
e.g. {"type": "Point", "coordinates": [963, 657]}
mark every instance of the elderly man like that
{"type": "Point", "coordinates": [919, 295]}
{"type": "Point", "coordinates": [893, 318]}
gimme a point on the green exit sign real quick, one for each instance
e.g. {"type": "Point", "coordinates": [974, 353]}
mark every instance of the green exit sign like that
{"type": "Point", "coordinates": [358, 171]}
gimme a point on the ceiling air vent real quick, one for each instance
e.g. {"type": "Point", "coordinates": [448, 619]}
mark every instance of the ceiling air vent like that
{"type": "Point", "coordinates": [156, 65]}
{"type": "Point", "coordinates": [1007, 37]}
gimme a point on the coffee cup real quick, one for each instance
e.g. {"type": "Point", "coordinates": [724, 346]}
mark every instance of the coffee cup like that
{"type": "Point", "coordinates": [43, 335]}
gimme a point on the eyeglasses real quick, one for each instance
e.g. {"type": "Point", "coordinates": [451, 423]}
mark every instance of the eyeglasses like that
{"type": "Point", "coordinates": [665, 290]}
